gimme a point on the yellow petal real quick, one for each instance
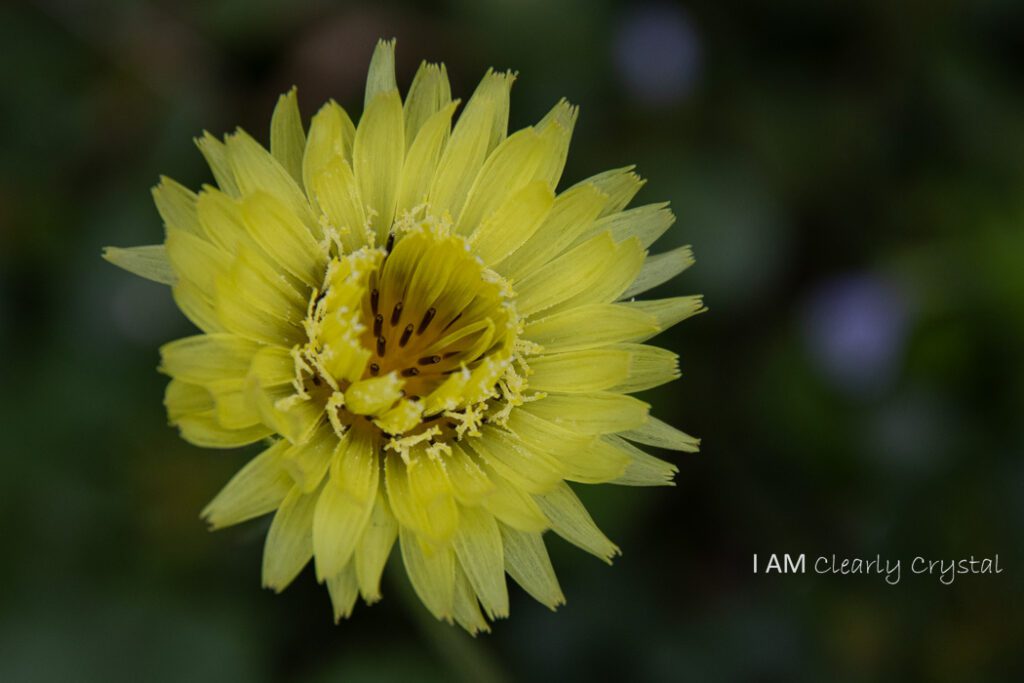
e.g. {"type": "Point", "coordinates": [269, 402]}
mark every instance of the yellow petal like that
{"type": "Point", "coordinates": [428, 94]}
{"type": "Point", "coordinates": [149, 262]}
{"type": "Point", "coordinates": [591, 325]}
{"type": "Point", "coordinates": [377, 157]}
{"type": "Point", "coordinates": [267, 289]}
{"type": "Point", "coordinates": [197, 306]}
{"type": "Point", "coordinates": [431, 571]}
{"type": "Point", "coordinates": [514, 164]}
{"type": "Point", "coordinates": [649, 367]}
{"type": "Point", "coordinates": [331, 134]}
{"type": "Point", "coordinates": [668, 312]}
{"type": "Point", "coordinates": [643, 469]}
{"type": "Point", "coordinates": [654, 432]}
{"type": "Point", "coordinates": [284, 237]}
{"type": "Point", "coordinates": [477, 545]}
{"type": "Point", "coordinates": [243, 313]}
{"type": "Point", "coordinates": [480, 128]}
{"type": "Point", "coordinates": [470, 484]}
{"type": "Point", "coordinates": [421, 498]}
{"type": "Point", "coordinates": [204, 430]}
{"type": "Point", "coordinates": [512, 223]}
{"type": "Point", "coordinates": [614, 277]}
{"type": "Point", "coordinates": [579, 457]}
{"type": "Point", "coordinates": [335, 190]}
{"type": "Point", "coordinates": [422, 158]}
{"type": "Point", "coordinates": [223, 221]}
{"type": "Point", "coordinates": [660, 268]}
{"type": "Point", "coordinates": [557, 126]}
{"type": "Point", "coordinates": [196, 260]}
{"type": "Point", "coordinates": [596, 413]}
{"type": "Point", "coordinates": [525, 468]}
{"type": "Point", "coordinates": [381, 75]}
{"type": "Point", "coordinates": [577, 372]}
{"type": "Point", "coordinates": [177, 206]}
{"type": "Point", "coordinates": [235, 410]}
{"type": "Point", "coordinates": [619, 185]}
{"type": "Point", "coordinates": [287, 139]}
{"type": "Point", "coordinates": [646, 223]}
{"type": "Point", "coordinates": [256, 489]}
{"type": "Point", "coordinates": [289, 543]}
{"type": "Point", "coordinates": [272, 366]}
{"type": "Point", "coordinates": [571, 521]}
{"type": "Point", "coordinates": [345, 504]}
{"type": "Point", "coordinates": [216, 154]}
{"type": "Point", "coordinates": [374, 548]}
{"type": "Point", "coordinates": [256, 170]}
{"type": "Point", "coordinates": [571, 215]}
{"type": "Point", "coordinates": [597, 271]}
{"type": "Point", "coordinates": [308, 460]}
{"type": "Point", "coordinates": [343, 589]}
{"type": "Point", "coordinates": [182, 398]}
{"type": "Point", "coordinates": [465, 607]}
{"type": "Point", "coordinates": [208, 359]}
{"type": "Point", "coordinates": [511, 505]}
{"type": "Point", "coordinates": [527, 562]}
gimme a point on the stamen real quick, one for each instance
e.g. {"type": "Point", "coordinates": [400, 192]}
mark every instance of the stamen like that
{"type": "Point", "coordinates": [374, 299]}
{"type": "Point", "coordinates": [427, 317]}
{"type": "Point", "coordinates": [429, 360]}
{"type": "Point", "coordinates": [396, 314]}
{"type": "Point", "coordinates": [391, 242]}
{"type": "Point", "coordinates": [378, 324]}
{"type": "Point", "coordinates": [452, 321]}
{"type": "Point", "coordinates": [410, 372]}
{"type": "Point", "coordinates": [374, 368]}
{"type": "Point", "coordinates": [405, 335]}
{"type": "Point", "coordinates": [381, 345]}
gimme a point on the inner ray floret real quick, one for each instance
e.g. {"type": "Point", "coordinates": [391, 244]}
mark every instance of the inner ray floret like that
{"type": "Point", "coordinates": [410, 339]}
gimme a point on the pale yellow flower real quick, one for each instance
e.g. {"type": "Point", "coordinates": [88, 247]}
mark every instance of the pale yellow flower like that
{"type": "Point", "coordinates": [428, 338]}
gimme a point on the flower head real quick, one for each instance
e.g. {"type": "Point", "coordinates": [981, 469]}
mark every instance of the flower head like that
{"type": "Point", "coordinates": [430, 341]}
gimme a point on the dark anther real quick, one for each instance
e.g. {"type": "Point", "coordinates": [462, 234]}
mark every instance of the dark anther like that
{"type": "Point", "coordinates": [396, 313]}
{"type": "Point", "coordinates": [391, 242]}
{"type": "Point", "coordinates": [449, 354]}
{"type": "Point", "coordinates": [452, 322]}
{"type": "Point", "coordinates": [414, 397]}
{"type": "Point", "coordinates": [378, 324]}
{"type": "Point", "coordinates": [405, 335]}
{"type": "Point", "coordinates": [374, 299]}
{"type": "Point", "coordinates": [410, 372]}
{"type": "Point", "coordinates": [451, 425]}
{"type": "Point", "coordinates": [374, 368]}
{"type": "Point", "coordinates": [429, 360]}
{"type": "Point", "coordinates": [316, 380]}
{"type": "Point", "coordinates": [381, 344]}
{"type": "Point", "coordinates": [427, 317]}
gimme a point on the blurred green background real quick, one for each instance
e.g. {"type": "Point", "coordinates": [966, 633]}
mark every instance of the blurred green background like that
{"type": "Point", "coordinates": [850, 177]}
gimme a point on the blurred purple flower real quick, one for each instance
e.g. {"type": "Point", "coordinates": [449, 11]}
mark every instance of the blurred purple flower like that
{"type": "Point", "coordinates": [657, 54]}
{"type": "Point", "coordinates": [854, 331]}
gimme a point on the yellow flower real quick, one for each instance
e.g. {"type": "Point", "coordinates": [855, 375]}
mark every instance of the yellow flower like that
{"type": "Point", "coordinates": [429, 339]}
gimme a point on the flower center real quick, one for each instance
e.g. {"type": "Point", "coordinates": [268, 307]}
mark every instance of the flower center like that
{"type": "Point", "coordinates": [415, 340]}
